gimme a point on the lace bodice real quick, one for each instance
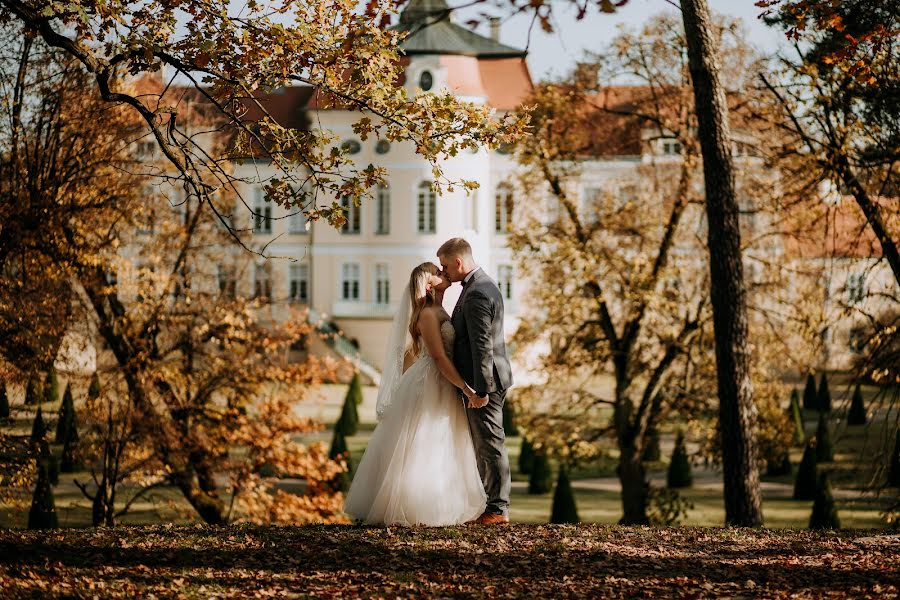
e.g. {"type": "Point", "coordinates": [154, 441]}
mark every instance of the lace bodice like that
{"type": "Point", "coordinates": [448, 335]}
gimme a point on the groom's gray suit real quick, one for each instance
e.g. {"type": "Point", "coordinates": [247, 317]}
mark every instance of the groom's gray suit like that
{"type": "Point", "coordinates": [479, 354]}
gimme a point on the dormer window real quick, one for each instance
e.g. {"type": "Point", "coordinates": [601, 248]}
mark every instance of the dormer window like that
{"type": "Point", "coordinates": [426, 81]}
{"type": "Point", "coordinates": [671, 148]}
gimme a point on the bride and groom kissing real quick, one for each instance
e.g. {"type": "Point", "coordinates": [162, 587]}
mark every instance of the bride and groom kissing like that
{"type": "Point", "coordinates": [438, 455]}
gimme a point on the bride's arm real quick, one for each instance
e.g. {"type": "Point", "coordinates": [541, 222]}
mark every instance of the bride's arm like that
{"type": "Point", "coordinates": [430, 327]}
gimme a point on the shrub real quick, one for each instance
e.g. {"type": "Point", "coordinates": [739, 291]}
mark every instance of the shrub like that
{"type": "Point", "coordinates": [33, 391]}
{"type": "Point", "coordinates": [824, 512]}
{"type": "Point", "coordinates": [679, 474]}
{"type": "Point", "coordinates": [797, 418]}
{"type": "Point", "coordinates": [70, 461]}
{"type": "Point", "coordinates": [51, 386]}
{"type": "Point", "coordinates": [339, 451]}
{"type": "Point", "coordinates": [857, 413]}
{"type": "Point", "coordinates": [52, 462]}
{"type": "Point", "coordinates": [894, 471]}
{"type": "Point", "coordinates": [541, 479]}
{"type": "Point", "coordinates": [94, 387]}
{"type": "Point", "coordinates": [564, 509]}
{"type": "Point", "coordinates": [526, 457]}
{"type": "Point", "coordinates": [66, 417]}
{"type": "Point", "coordinates": [38, 427]}
{"type": "Point", "coordinates": [651, 451]}
{"type": "Point", "coordinates": [810, 401]}
{"type": "Point", "coordinates": [43, 508]}
{"type": "Point", "coordinates": [824, 449]}
{"type": "Point", "coordinates": [509, 420]}
{"type": "Point", "coordinates": [805, 483]}
{"type": "Point", "coordinates": [780, 465]}
{"type": "Point", "coordinates": [823, 397]}
{"type": "Point", "coordinates": [348, 422]}
{"type": "Point", "coordinates": [666, 506]}
{"type": "Point", "coordinates": [355, 389]}
{"type": "Point", "coordinates": [4, 403]}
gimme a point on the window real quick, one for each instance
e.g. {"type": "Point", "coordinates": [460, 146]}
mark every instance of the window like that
{"type": "Point", "coordinates": [382, 284]}
{"type": "Point", "coordinates": [350, 281]}
{"type": "Point", "coordinates": [427, 208]}
{"type": "Point", "coordinates": [262, 282]}
{"type": "Point", "coordinates": [856, 288]}
{"type": "Point", "coordinates": [426, 81]}
{"type": "Point", "coordinates": [299, 284]}
{"type": "Point", "coordinates": [383, 208]}
{"type": "Point", "coordinates": [590, 205]}
{"type": "Point", "coordinates": [351, 212]}
{"type": "Point", "coordinates": [671, 148]}
{"type": "Point", "coordinates": [382, 147]}
{"type": "Point", "coordinates": [503, 208]}
{"type": "Point", "coordinates": [505, 280]}
{"type": "Point", "coordinates": [297, 222]}
{"type": "Point", "coordinates": [351, 146]}
{"type": "Point", "coordinates": [226, 280]}
{"type": "Point", "coordinates": [262, 213]}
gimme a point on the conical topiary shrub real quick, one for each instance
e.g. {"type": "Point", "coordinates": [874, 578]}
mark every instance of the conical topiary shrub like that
{"type": "Point", "coordinates": [356, 389]}
{"type": "Point", "coordinates": [509, 420]}
{"type": "Point", "coordinates": [857, 413]}
{"type": "Point", "coordinates": [526, 457]}
{"type": "Point", "coordinates": [651, 451]}
{"type": "Point", "coordinates": [4, 403]}
{"type": "Point", "coordinates": [796, 415]}
{"type": "Point", "coordinates": [52, 462]}
{"type": "Point", "coordinates": [564, 509]}
{"type": "Point", "coordinates": [679, 474]}
{"type": "Point", "coordinates": [38, 427]}
{"type": "Point", "coordinates": [348, 422]}
{"type": "Point", "coordinates": [894, 470]}
{"type": "Point", "coordinates": [66, 414]}
{"type": "Point", "coordinates": [805, 483]}
{"type": "Point", "coordinates": [824, 449]}
{"type": "Point", "coordinates": [824, 512]}
{"type": "Point", "coordinates": [43, 508]}
{"type": "Point", "coordinates": [51, 386]}
{"type": "Point", "coordinates": [339, 451]}
{"type": "Point", "coordinates": [33, 391]}
{"type": "Point", "coordinates": [70, 460]}
{"type": "Point", "coordinates": [810, 400]}
{"type": "Point", "coordinates": [94, 387]}
{"type": "Point", "coordinates": [823, 396]}
{"type": "Point", "coordinates": [541, 479]}
{"type": "Point", "coordinates": [779, 465]}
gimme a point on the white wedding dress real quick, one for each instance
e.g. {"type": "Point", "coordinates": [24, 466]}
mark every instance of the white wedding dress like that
{"type": "Point", "coordinates": [419, 467]}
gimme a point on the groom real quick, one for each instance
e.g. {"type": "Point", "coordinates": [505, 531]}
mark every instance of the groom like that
{"type": "Point", "coordinates": [479, 354]}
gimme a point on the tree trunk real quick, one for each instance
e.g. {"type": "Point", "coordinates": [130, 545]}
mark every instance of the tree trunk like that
{"type": "Point", "coordinates": [736, 408]}
{"type": "Point", "coordinates": [633, 480]}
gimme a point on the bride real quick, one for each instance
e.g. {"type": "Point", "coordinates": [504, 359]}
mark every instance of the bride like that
{"type": "Point", "coordinates": [419, 467]}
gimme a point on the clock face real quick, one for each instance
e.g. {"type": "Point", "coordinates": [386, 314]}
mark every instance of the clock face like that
{"type": "Point", "coordinates": [426, 80]}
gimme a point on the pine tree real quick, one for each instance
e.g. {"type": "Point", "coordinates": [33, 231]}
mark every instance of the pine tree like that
{"type": "Point", "coordinates": [51, 386]}
{"type": "Point", "coordinates": [823, 397]}
{"type": "Point", "coordinates": [564, 509]}
{"type": "Point", "coordinates": [43, 508]}
{"type": "Point", "coordinates": [805, 483]}
{"type": "Point", "coordinates": [894, 471]}
{"type": "Point", "coordinates": [356, 389]}
{"type": "Point", "coordinates": [348, 423]}
{"type": "Point", "coordinates": [824, 449]}
{"type": "Point", "coordinates": [94, 388]}
{"type": "Point", "coordinates": [33, 391]}
{"type": "Point", "coordinates": [52, 462]}
{"type": "Point", "coordinates": [810, 401]}
{"type": "Point", "coordinates": [857, 413]}
{"type": "Point", "coordinates": [66, 414]}
{"type": "Point", "coordinates": [679, 474]}
{"type": "Point", "coordinates": [38, 427]}
{"type": "Point", "coordinates": [526, 457]}
{"type": "Point", "coordinates": [797, 418]}
{"type": "Point", "coordinates": [824, 512]}
{"type": "Point", "coordinates": [4, 403]}
{"type": "Point", "coordinates": [339, 451]}
{"type": "Point", "coordinates": [651, 452]}
{"type": "Point", "coordinates": [541, 479]}
{"type": "Point", "coordinates": [509, 420]}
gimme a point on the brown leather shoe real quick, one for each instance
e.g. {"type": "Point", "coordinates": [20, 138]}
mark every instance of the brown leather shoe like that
{"type": "Point", "coordinates": [492, 519]}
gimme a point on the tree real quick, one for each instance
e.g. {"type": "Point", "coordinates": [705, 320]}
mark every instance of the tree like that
{"type": "Point", "coordinates": [339, 452]}
{"type": "Point", "coordinates": [44, 454]}
{"type": "Point", "coordinates": [805, 483]}
{"type": "Point", "coordinates": [541, 479]}
{"type": "Point", "coordinates": [857, 413]}
{"type": "Point", "coordinates": [66, 418]}
{"type": "Point", "coordinates": [679, 473]}
{"type": "Point", "coordinates": [824, 512]}
{"type": "Point", "coordinates": [824, 449]}
{"type": "Point", "coordinates": [43, 507]}
{"type": "Point", "coordinates": [651, 450]}
{"type": "Point", "coordinates": [563, 509]}
{"type": "Point", "coordinates": [71, 457]}
{"type": "Point", "coordinates": [526, 457]}
{"type": "Point", "coordinates": [348, 422]}
{"type": "Point", "coordinates": [94, 387]}
{"type": "Point", "coordinates": [32, 391]}
{"type": "Point", "coordinates": [810, 398]}
{"type": "Point", "coordinates": [4, 403]}
{"type": "Point", "coordinates": [356, 389]}
{"type": "Point", "coordinates": [51, 386]}
{"type": "Point", "coordinates": [741, 478]}
{"type": "Point", "coordinates": [38, 427]}
{"type": "Point", "coordinates": [823, 396]}
{"type": "Point", "coordinates": [797, 418]}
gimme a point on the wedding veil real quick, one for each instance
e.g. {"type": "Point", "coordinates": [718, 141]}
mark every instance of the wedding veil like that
{"type": "Point", "coordinates": [398, 342]}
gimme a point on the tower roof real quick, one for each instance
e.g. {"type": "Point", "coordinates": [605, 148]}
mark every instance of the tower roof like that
{"type": "Point", "coordinates": [432, 32]}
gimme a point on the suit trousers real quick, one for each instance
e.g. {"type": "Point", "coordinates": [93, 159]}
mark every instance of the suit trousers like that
{"type": "Point", "coordinates": [486, 425]}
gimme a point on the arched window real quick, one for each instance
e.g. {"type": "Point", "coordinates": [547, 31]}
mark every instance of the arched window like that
{"type": "Point", "coordinates": [383, 210]}
{"type": "Point", "coordinates": [427, 208]}
{"type": "Point", "coordinates": [503, 208]}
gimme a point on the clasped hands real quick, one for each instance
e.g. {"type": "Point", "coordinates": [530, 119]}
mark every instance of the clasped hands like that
{"type": "Point", "coordinates": [475, 401]}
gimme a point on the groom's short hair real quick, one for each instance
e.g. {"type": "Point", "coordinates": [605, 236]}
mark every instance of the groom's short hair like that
{"type": "Point", "coordinates": [455, 247]}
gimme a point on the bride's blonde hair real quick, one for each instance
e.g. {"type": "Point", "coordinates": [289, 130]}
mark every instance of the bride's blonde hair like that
{"type": "Point", "coordinates": [420, 297]}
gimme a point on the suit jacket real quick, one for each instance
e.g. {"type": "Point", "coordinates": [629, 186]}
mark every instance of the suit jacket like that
{"type": "Point", "coordinates": [479, 350]}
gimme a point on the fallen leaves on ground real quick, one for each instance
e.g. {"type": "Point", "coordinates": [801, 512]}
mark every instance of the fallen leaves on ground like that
{"type": "Point", "coordinates": [598, 561]}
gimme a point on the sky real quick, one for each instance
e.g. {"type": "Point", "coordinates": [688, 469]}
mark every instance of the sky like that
{"type": "Point", "coordinates": [556, 53]}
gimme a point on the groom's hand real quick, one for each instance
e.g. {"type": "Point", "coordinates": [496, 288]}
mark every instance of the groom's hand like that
{"type": "Point", "coordinates": [478, 401]}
